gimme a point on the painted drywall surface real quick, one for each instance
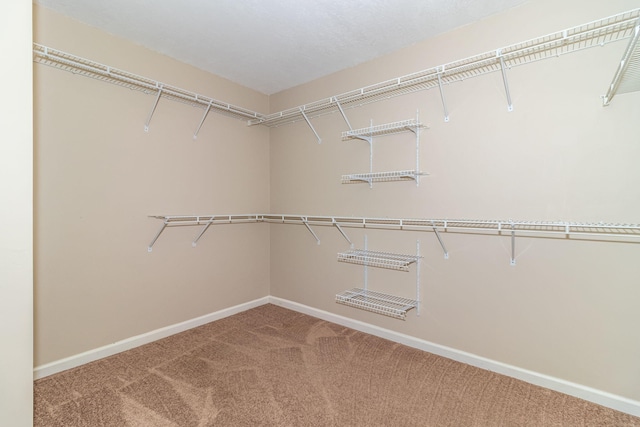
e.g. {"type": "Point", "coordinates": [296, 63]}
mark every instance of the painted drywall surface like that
{"type": "Point", "coordinates": [568, 307]}
{"type": "Point", "coordinates": [16, 208]}
{"type": "Point", "coordinates": [99, 175]}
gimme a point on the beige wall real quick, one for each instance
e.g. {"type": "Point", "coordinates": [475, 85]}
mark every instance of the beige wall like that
{"type": "Point", "coordinates": [568, 308]}
{"type": "Point", "coordinates": [16, 207]}
{"type": "Point", "coordinates": [98, 176]}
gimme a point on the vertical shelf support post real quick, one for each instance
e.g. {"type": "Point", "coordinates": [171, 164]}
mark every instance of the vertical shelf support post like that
{"type": "Point", "coordinates": [417, 277]}
{"type": "Point", "coordinates": [444, 102]}
{"type": "Point", "coordinates": [417, 132]}
{"type": "Point", "coordinates": [153, 109]}
{"type": "Point", "coordinates": [204, 116]}
{"type": "Point", "coordinates": [504, 79]}
{"type": "Point", "coordinates": [310, 125]}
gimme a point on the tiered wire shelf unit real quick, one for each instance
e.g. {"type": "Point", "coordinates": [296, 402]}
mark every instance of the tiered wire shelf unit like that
{"type": "Point", "coordinates": [367, 134]}
{"type": "Point", "coordinates": [377, 302]}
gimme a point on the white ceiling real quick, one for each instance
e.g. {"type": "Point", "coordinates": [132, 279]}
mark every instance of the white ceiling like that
{"type": "Point", "coordinates": [272, 45]}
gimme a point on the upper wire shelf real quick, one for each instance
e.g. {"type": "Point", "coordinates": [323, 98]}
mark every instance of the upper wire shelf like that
{"type": "Point", "coordinates": [384, 129]}
{"type": "Point", "coordinates": [592, 34]}
{"type": "Point", "coordinates": [85, 67]}
{"type": "Point", "coordinates": [378, 259]}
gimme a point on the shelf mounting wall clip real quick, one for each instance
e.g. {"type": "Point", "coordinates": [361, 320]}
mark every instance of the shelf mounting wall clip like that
{"type": "Point", "coordinates": [153, 109]}
{"type": "Point", "coordinates": [310, 125]}
{"type": "Point", "coordinates": [504, 79]}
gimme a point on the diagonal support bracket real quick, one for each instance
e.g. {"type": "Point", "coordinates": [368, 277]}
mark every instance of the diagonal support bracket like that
{"type": "Point", "coordinates": [150, 247]}
{"type": "Point", "coordinates": [204, 230]}
{"type": "Point", "coordinates": [153, 109]}
{"type": "Point", "coordinates": [306, 224]}
{"type": "Point", "coordinates": [444, 101]}
{"type": "Point", "coordinates": [343, 233]}
{"type": "Point", "coordinates": [504, 79]}
{"type": "Point", "coordinates": [344, 116]}
{"type": "Point", "coordinates": [437, 233]}
{"type": "Point", "coordinates": [204, 116]}
{"type": "Point", "coordinates": [513, 245]}
{"type": "Point", "coordinates": [310, 125]}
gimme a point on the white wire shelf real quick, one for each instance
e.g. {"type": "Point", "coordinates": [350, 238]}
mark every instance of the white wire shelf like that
{"type": "Point", "coordinates": [592, 34]}
{"type": "Point", "coordinates": [381, 130]}
{"type": "Point", "coordinates": [88, 68]}
{"type": "Point", "coordinates": [386, 260]}
{"type": "Point", "coordinates": [627, 76]}
{"type": "Point", "coordinates": [376, 302]}
{"type": "Point", "coordinates": [358, 178]}
{"type": "Point", "coordinates": [545, 229]}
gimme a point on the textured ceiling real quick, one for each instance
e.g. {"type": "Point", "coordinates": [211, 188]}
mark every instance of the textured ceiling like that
{"type": "Point", "coordinates": [272, 45]}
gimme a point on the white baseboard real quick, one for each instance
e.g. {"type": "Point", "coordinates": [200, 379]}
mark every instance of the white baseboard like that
{"type": "Point", "coordinates": [599, 397]}
{"type": "Point", "coordinates": [138, 340]}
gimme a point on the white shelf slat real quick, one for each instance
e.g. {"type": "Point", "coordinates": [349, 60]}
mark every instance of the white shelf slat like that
{"type": "Point", "coordinates": [376, 302]}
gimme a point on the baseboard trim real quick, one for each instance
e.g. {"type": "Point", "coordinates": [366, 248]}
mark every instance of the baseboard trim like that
{"type": "Point", "coordinates": [138, 340]}
{"type": "Point", "coordinates": [599, 397]}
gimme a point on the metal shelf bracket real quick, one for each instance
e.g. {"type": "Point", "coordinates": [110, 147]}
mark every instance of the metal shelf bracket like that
{"type": "Point", "coordinates": [342, 232]}
{"type": "Point", "coordinates": [344, 116]}
{"type": "Point", "coordinates": [204, 116]}
{"type": "Point", "coordinates": [444, 101]}
{"type": "Point", "coordinates": [513, 244]}
{"type": "Point", "coordinates": [306, 224]}
{"type": "Point", "coordinates": [504, 79]}
{"type": "Point", "coordinates": [204, 229]}
{"type": "Point", "coordinates": [153, 109]}
{"type": "Point", "coordinates": [310, 125]}
{"type": "Point", "coordinates": [437, 233]}
{"type": "Point", "coordinates": [164, 225]}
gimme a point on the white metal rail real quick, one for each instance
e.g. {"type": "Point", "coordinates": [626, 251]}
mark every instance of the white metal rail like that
{"type": "Point", "coordinates": [592, 34]}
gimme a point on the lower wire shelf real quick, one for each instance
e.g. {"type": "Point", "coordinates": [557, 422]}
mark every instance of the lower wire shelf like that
{"type": "Point", "coordinates": [376, 302]}
{"type": "Point", "coordinates": [356, 178]}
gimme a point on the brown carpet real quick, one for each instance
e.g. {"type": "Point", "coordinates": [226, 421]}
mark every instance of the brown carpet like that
{"type": "Point", "coordinates": [270, 366]}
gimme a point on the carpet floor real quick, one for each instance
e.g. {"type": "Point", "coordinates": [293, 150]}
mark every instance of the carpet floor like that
{"type": "Point", "coordinates": [270, 366]}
